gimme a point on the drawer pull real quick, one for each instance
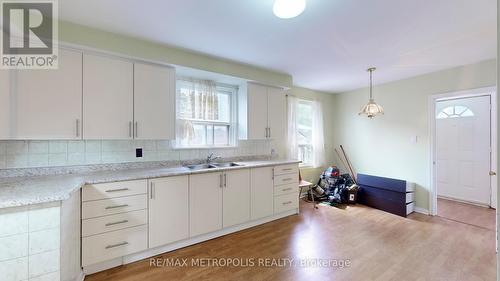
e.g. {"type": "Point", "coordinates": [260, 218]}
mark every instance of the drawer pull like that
{"type": "Point", "coordinates": [117, 190]}
{"type": "Point", "coordinates": [286, 189]}
{"type": "Point", "coordinates": [287, 179]}
{"type": "Point", "coordinates": [288, 202]}
{"type": "Point", "coordinates": [117, 206]}
{"type": "Point", "coordinates": [116, 245]}
{"type": "Point", "coordinates": [287, 169]}
{"type": "Point", "coordinates": [115, 223]}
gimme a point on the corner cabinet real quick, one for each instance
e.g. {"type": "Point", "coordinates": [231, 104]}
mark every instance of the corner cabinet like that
{"type": "Point", "coordinates": [43, 104]}
{"type": "Point", "coordinates": [108, 97]}
{"type": "Point", "coordinates": [265, 110]}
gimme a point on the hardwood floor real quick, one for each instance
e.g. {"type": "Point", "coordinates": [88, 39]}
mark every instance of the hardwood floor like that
{"type": "Point", "coordinates": [467, 213]}
{"type": "Point", "coordinates": [379, 246]}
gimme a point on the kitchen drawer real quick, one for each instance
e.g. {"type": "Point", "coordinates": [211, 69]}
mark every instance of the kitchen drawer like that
{"type": "Point", "coordinates": [113, 190]}
{"type": "Point", "coordinates": [286, 202]}
{"type": "Point", "coordinates": [410, 197]}
{"type": "Point", "coordinates": [287, 179]}
{"type": "Point", "coordinates": [410, 208]}
{"type": "Point", "coordinates": [113, 222]}
{"type": "Point", "coordinates": [99, 208]}
{"type": "Point", "coordinates": [286, 189]}
{"type": "Point", "coordinates": [110, 245]}
{"type": "Point", "coordinates": [286, 169]}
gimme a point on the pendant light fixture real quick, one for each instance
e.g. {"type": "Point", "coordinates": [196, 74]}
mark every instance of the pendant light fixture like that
{"type": "Point", "coordinates": [371, 109]}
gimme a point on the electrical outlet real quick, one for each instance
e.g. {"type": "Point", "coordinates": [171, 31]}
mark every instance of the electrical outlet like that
{"type": "Point", "coordinates": [138, 153]}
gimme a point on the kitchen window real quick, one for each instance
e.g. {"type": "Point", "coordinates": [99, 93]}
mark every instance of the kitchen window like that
{"type": "Point", "coordinates": [305, 132]}
{"type": "Point", "coordinates": [205, 114]}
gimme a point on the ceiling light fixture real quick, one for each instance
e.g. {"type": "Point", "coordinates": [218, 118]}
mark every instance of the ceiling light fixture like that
{"type": "Point", "coordinates": [287, 9]}
{"type": "Point", "coordinates": [371, 109]}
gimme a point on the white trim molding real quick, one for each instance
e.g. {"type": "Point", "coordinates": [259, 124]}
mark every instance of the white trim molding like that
{"type": "Point", "coordinates": [490, 91]}
{"type": "Point", "coordinates": [421, 211]}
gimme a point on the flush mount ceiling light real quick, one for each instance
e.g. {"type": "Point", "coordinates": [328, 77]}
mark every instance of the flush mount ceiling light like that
{"type": "Point", "coordinates": [287, 9]}
{"type": "Point", "coordinates": [371, 109]}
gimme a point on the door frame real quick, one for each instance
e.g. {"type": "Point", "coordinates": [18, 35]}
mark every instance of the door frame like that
{"type": "Point", "coordinates": [486, 91]}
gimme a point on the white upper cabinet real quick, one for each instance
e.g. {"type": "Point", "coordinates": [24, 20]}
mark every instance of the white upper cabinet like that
{"type": "Point", "coordinates": [266, 113]}
{"type": "Point", "coordinates": [107, 98]}
{"type": "Point", "coordinates": [257, 111]}
{"type": "Point", "coordinates": [276, 116]}
{"type": "Point", "coordinates": [154, 102]}
{"type": "Point", "coordinates": [43, 104]}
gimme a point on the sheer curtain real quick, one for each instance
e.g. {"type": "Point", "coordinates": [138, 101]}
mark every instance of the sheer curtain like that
{"type": "Point", "coordinates": [318, 139]}
{"type": "Point", "coordinates": [292, 145]}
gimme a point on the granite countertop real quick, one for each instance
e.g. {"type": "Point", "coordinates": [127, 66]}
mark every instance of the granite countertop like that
{"type": "Point", "coordinates": [29, 190]}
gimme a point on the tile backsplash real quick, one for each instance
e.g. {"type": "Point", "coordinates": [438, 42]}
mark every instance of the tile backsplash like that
{"type": "Point", "coordinates": [31, 153]}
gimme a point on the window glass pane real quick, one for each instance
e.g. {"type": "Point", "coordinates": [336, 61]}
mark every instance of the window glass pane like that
{"type": "Point", "coordinates": [210, 134]}
{"type": "Point", "coordinates": [224, 107]}
{"type": "Point", "coordinates": [221, 135]}
{"type": "Point", "coordinates": [199, 137]}
{"type": "Point", "coordinates": [305, 131]}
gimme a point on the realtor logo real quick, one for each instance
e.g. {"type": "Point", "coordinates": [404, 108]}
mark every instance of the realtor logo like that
{"type": "Point", "coordinates": [29, 34]}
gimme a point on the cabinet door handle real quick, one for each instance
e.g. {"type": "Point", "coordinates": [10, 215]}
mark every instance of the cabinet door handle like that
{"type": "Point", "coordinates": [152, 191]}
{"type": "Point", "coordinates": [287, 169]}
{"type": "Point", "coordinates": [286, 189]}
{"type": "Point", "coordinates": [117, 245]}
{"type": "Point", "coordinates": [136, 129]}
{"type": "Point", "coordinates": [269, 132]}
{"type": "Point", "coordinates": [225, 180]}
{"type": "Point", "coordinates": [220, 180]}
{"type": "Point", "coordinates": [116, 206]}
{"type": "Point", "coordinates": [117, 190]}
{"type": "Point", "coordinates": [288, 202]}
{"type": "Point", "coordinates": [77, 128]}
{"type": "Point", "coordinates": [130, 129]}
{"type": "Point", "coordinates": [115, 223]}
{"type": "Point", "coordinates": [287, 179]}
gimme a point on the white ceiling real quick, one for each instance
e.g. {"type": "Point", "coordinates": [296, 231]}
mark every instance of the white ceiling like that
{"type": "Point", "coordinates": [326, 48]}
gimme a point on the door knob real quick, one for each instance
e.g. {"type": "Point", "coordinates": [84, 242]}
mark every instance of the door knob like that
{"type": "Point", "coordinates": [493, 173]}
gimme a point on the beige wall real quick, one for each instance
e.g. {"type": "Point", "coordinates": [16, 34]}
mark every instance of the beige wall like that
{"type": "Point", "coordinates": [115, 43]}
{"type": "Point", "coordinates": [383, 146]}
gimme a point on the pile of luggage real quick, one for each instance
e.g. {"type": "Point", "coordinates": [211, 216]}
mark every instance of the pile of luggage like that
{"type": "Point", "coordinates": [335, 188]}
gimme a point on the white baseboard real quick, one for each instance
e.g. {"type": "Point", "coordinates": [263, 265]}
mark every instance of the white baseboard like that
{"type": "Point", "coordinates": [80, 277]}
{"type": "Point", "coordinates": [181, 244]}
{"type": "Point", "coordinates": [421, 211]}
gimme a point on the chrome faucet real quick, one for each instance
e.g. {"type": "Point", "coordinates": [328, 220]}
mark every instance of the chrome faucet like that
{"type": "Point", "coordinates": [211, 158]}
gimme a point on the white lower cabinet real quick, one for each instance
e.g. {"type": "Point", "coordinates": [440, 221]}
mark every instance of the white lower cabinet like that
{"type": "Point", "coordinates": [124, 218]}
{"type": "Point", "coordinates": [236, 197]}
{"type": "Point", "coordinates": [168, 210]}
{"type": "Point", "coordinates": [261, 192]}
{"type": "Point", "coordinates": [205, 203]}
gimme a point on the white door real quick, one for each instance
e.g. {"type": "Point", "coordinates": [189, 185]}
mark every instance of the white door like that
{"type": "Point", "coordinates": [168, 210]}
{"type": "Point", "coordinates": [236, 197]}
{"type": "Point", "coordinates": [107, 98]}
{"type": "Point", "coordinates": [205, 203]}
{"type": "Point", "coordinates": [276, 113]}
{"type": "Point", "coordinates": [154, 102]}
{"type": "Point", "coordinates": [257, 111]}
{"type": "Point", "coordinates": [261, 192]}
{"type": "Point", "coordinates": [48, 103]}
{"type": "Point", "coordinates": [463, 149]}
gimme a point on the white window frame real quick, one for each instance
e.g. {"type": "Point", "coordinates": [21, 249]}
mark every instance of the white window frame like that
{"type": "Point", "coordinates": [232, 91]}
{"type": "Point", "coordinates": [304, 164]}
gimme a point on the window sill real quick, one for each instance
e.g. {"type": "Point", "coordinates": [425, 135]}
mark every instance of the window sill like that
{"type": "Point", "coordinates": [204, 147]}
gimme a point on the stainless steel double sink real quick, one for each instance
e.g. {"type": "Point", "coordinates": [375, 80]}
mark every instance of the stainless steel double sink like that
{"type": "Point", "coordinates": [212, 166]}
